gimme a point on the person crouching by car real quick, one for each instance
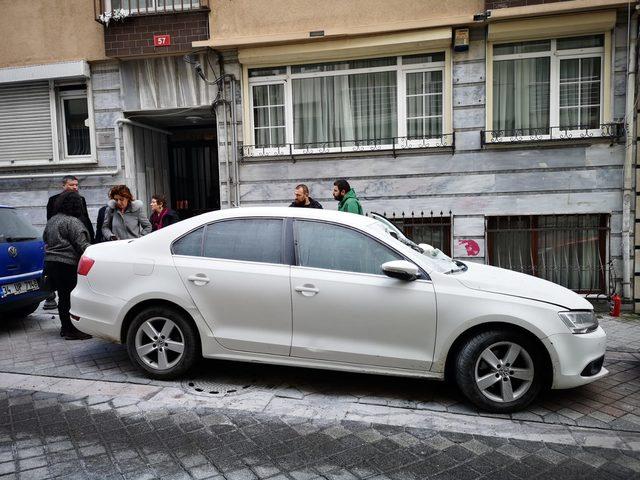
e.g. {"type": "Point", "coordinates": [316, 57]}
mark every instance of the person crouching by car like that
{"type": "Point", "coordinates": [162, 215]}
{"type": "Point", "coordinates": [124, 217]}
{"type": "Point", "coordinates": [66, 238]}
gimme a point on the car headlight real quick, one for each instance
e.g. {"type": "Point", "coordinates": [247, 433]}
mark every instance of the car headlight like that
{"type": "Point", "coordinates": [580, 322]}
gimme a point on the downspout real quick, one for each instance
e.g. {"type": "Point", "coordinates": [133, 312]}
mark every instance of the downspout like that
{"type": "Point", "coordinates": [234, 137]}
{"type": "Point", "coordinates": [221, 88]}
{"type": "Point", "coordinates": [629, 160]}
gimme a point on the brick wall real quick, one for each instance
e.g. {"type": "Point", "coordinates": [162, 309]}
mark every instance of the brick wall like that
{"type": "Point", "coordinates": [134, 35]}
{"type": "Point", "coordinates": [495, 4]}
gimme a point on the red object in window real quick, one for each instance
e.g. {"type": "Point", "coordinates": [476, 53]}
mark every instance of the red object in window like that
{"type": "Point", "coordinates": [616, 304]}
{"type": "Point", "coordinates": [85, 265]}
{"type": "Point", "coordinates": [161, 40]}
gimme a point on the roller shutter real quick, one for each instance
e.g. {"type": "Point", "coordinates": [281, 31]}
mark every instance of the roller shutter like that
{"type": "Point", "coordinates": [25, 123]}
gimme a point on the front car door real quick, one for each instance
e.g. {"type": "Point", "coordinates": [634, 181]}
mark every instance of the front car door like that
{"type": "Point", "coordinates": [236, 274]}
{"type": "Point", "coordinates": [346, 310]}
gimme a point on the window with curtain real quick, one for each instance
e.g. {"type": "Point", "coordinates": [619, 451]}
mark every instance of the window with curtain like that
{"type": "Point", "coordinates": [349, 103]}
{"type": "Point", "coordinates": [544, 85]}
{"type": "Point", "coordinates": [569, 250]}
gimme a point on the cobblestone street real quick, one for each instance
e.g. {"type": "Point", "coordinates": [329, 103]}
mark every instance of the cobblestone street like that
{"type": "Point", "coordinates": [81, 410]}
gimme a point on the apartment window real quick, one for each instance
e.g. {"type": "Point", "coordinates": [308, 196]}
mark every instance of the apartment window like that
{"type": "Point", "coordinates": [548, 88]}
{"type": "Point", "coordinates": [323, 107]}
{"type": "Point", "coordinates": [150, 6]}
{"type": "Point", "coordinates": [570, 250]}
{"type": "Point", "coordinates": [74, 121]}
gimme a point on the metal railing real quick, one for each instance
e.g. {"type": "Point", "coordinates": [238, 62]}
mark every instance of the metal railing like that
{"type": "Point", "coordinates": [120, 9]}
{"type": "Point", "coordinates": [392, 144]}
{"type": "Point", "coordinates": [612, 131]}
{"type": "Point", "coordinates": [431, 228]}
{"type": "Point", "coordinates": [570, 250]}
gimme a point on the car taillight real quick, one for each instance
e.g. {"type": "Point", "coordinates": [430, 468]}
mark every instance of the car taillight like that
{"type": "Point", "coordinates": [85, 265]}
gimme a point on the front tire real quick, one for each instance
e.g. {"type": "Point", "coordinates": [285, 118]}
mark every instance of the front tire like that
{"type": "Point", "coordinates": [162, 342]}
{"type": "Point", "coordinates": [500, 371]}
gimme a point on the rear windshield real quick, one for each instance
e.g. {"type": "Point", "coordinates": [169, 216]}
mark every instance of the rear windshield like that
{"type": "Point", "coordinates": [15, 228]}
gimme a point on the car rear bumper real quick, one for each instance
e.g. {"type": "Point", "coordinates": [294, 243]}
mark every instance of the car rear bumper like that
{"type": "Point", "coordinates": [574, 355]}
{"type": "Point", "coordinates": [95, 313]}
{"type": "Point", "coordinates": [25, 299]}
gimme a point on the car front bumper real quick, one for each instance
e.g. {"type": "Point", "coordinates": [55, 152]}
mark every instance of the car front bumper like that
{"type": "Point", "coordinates": [571, 354]}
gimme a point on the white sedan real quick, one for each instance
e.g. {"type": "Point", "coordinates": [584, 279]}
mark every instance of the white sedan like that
{"type": "Point", "coordinates": [324, 289]}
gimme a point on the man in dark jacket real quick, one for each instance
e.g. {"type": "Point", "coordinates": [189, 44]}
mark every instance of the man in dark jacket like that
{"type": "Point", "coordinates": [302, 198]}
{"type": "Point", "coordinates": [70, 184]}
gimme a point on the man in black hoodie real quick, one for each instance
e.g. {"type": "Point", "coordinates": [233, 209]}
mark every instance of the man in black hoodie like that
{"type": "Point", "coordinates": [302, 198]}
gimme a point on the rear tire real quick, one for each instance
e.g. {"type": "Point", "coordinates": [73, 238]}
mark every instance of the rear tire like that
{"type": "Point", "coordinates": [500, 371]}
{"type": "Point", "coordinates": [162, 342]}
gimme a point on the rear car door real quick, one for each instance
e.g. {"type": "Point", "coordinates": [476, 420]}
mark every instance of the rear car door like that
{"type": "Point", "coordinates": [236, 274]}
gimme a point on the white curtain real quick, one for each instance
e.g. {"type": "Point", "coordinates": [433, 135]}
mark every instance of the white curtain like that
{"type": "Point", "coordinates": [521, 95]}
{"type": "Point", "coordinates": [580, 92]}
{"type": "Point", "coordinates": [344, 109]}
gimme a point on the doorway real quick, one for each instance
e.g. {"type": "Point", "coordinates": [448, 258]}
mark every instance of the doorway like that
{"type": "Point", "coordinates": [194, 177]}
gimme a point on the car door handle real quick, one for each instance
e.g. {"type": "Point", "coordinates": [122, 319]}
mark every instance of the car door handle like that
{"type": "Point", "coordinates": [307, 290]}
{"type": "Point", "coordinates": [199, 279]}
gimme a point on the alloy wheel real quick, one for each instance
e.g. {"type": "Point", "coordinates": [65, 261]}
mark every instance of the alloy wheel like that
{"type": "Point", "coordinates": [159, 343]}
{"type": "Point", "coordinates": [504, 372]}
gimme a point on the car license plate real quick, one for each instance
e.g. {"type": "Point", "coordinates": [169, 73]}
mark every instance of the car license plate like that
{"type": "Point", "coordinates": [18, 288]}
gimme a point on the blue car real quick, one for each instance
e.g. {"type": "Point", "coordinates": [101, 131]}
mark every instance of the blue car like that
{"type": "Point", "coordinates": [21, 264]}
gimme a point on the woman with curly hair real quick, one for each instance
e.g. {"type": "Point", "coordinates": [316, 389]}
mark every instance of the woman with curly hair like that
{"type": "Point", "coordinates": [124, 217]}
{"type": "Point", "coordinates": [66, 239]}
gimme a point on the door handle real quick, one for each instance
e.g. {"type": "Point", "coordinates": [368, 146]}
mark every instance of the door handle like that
{"type": "Point", "coordinates": [307, 290]}
{"type": "Point", "coordinates": [199, 279]}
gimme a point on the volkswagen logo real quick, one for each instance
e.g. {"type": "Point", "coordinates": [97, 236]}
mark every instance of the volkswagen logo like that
{"type": "Point", "coordinates": [13, 251]}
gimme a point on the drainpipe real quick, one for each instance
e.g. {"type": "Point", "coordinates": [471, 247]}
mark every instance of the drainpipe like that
{"type": "Point", "coordinates": [629, 160]}
{"type": "Point", "coordinates": [234, 137]}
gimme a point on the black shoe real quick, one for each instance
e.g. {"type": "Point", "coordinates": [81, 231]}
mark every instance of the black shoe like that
{"type": "Point", "coordinates": [77, 335]}
{"type": "Point", "coordinates": [49, 305]}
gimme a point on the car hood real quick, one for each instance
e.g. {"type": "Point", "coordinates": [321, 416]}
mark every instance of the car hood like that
{"type": "Point", "coordinates": [507, 282]}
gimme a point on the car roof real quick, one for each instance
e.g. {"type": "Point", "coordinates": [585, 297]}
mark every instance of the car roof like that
{"type": "Point", "coordinates": [310, 213]}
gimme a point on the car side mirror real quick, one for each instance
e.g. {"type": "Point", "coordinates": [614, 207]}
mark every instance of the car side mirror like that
{"type": "Point", "coordinates": [401, 269]}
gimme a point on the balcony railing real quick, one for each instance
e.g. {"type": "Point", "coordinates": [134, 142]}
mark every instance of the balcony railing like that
{"type": "Point", "coordinates": [119, 9]}
{"type": "Point", "coordinates": [391, 144]}
{"type": "Point", "coordinates": [612, 131]}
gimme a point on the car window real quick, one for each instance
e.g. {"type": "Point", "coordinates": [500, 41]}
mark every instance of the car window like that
{"type": "Point", "coordinates": [14, 227]}
{"type": "Point", "coordinates": [329, 246]}
{"type": "Point", "coordinates": [190, 244]}
{"type": "Point", "coordinates": [249, 239]}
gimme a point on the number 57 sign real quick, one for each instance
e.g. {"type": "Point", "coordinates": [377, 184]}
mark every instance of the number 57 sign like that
{"type": "Point", "coordinates": [161, 40]}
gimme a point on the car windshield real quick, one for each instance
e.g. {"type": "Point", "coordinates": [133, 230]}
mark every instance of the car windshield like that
{"type": "Point", "coordinates": [441, 262]}
{"type": "Point", "coordinates": [14, 227]}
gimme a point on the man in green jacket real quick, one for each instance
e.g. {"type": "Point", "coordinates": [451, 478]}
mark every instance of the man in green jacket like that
{"type": "Point", "coordinates": [343, 192]}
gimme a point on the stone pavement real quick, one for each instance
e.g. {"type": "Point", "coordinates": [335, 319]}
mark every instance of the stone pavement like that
{"type": "Point", "coordinates": [234, 420]}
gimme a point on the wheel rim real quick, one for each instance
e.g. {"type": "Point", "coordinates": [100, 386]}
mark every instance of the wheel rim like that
{"type": "Point", "coordinates": [504, 372]}
{"type": "Point", "coordinates": [159, 343]}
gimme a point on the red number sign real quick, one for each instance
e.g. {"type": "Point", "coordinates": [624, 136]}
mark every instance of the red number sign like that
{"type": "Point", "coordinates": [161, 40]}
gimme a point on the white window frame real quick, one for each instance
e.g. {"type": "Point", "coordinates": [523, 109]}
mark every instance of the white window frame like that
{"type": "Point", "coordinates": [555, 56]}
{"type": "Point", "coordinates": [401, 130]}
{"type": "Point", "coordinates": [58, 121]}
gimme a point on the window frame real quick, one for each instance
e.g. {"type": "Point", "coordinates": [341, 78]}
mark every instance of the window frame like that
{"type": "Point", "coordinates": [283, 243]}
{"type": "Point", "coordinates": [555, 56]}
{"type": "Point", "coordinates": [57, 98]}
{"type": "Point", "coordinates": [401, 70]}
{"type": "Point", "coordinates": [423, 275]}
{"type": "Point", "coordinates": [604, 240]}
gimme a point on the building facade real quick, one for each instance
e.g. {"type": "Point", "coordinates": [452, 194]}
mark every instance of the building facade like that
{"type": "Point", "coordinates": [500, 131]}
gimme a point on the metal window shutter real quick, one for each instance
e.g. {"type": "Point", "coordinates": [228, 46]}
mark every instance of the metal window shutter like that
{"type": "Point", "coordinates": [25, 123]}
